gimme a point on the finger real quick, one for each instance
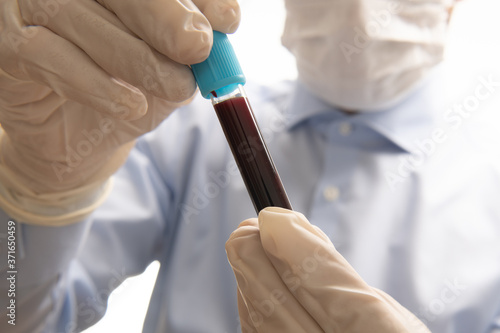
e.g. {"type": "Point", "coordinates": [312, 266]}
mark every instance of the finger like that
{"type": "Point", "coordinates": [408, 318]}
{"type": "Point", "coordinates": [159, 110]}
{"type": "Point", "coordinates": [245, 321]}
{"type": "Point", "coordinates": [85, 83]}
{"type": "Point", "coordinates": [224, 15]}
{"type": "Point", "coordinates": [111, 45]}
{"type": "Point", "coordinates": [175, 28]}
{"type": "Point", "coordinates": [269, 304]}
{"type": "Point", "coordinates": [326, 285]}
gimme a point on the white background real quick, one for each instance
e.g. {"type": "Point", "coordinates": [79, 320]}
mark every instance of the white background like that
{"type": "Point", "coordinates": [473, 45]}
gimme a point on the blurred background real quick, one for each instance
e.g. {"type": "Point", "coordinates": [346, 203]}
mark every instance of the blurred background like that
{"type": "Point", "coordinates": [473, 49]}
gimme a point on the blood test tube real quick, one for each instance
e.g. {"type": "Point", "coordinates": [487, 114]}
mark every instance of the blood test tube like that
{"type": "Point", "coordinates": [221, 79]}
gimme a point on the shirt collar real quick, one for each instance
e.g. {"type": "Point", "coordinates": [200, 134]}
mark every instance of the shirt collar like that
{"type": "Point", "coordinates": [411, 120]}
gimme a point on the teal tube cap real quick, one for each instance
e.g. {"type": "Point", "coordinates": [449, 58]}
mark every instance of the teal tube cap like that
{"type": "Point", "coordinates": [221, 71]}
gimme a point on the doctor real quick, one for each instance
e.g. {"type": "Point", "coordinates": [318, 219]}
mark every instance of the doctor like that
{"type": "Point", "coordinates": [357, 140]}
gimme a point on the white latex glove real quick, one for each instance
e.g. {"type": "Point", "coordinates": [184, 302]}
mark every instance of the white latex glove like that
{"type": "Point", "coordinates": [291, 279]}
{"type": "Point", "coordinates": [79, 81]}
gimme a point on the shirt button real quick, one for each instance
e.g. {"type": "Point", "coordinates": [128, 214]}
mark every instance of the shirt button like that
{"type": "Point", "coordinates": [345, 128]}
{"type": "Point", "coordinates": [331, 193]}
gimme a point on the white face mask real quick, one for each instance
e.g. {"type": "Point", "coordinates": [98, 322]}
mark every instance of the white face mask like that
{"type": "Point", "coordinates": [365, 55]}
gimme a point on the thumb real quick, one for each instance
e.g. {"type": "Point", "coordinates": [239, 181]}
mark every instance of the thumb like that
{"type": "Point", "coordinates": [320, 278]}
{"type": "Point", "coordinates": [264, 303]}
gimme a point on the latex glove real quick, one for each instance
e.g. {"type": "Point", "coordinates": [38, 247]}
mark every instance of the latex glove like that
{"type": "Point", "coordinates": [79, 81]}
{"type": "Point", "coordinates": [291, 279]}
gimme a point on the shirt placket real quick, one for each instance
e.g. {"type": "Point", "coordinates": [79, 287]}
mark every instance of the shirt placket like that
{"type": "Point", "coordinates": [332, 190]}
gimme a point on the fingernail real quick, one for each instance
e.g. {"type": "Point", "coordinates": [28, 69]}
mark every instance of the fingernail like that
{"type": "Point", "coordinates": [272, 222]}
{"type": "Point", "coordinates": [249, 222]}
{"type": "Point", "coordinates": [228, 15]}
{"type": "Point", "coordinates": [275, 214]}
{"type": "Point", "coordinates": [194, 43]}
{"type": "Point", "coordinates": [232, 16]}
{"type": "Point", "coordinates": [200, 23]}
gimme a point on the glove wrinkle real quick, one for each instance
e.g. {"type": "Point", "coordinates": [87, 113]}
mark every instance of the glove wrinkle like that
{"type": "Point", "coordinates": [321, 288]}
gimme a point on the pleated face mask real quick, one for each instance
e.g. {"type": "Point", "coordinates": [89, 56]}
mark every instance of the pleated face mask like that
{"type": "Point", "coordinates": [365, 55]}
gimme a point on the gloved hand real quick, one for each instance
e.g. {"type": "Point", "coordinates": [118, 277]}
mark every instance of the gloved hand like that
{"type": "Point", "coordinates": [291, 279]}
{"type": "Point", "coordinates": [79, 81]}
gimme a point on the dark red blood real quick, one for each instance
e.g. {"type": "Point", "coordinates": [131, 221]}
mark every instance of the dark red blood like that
{"type": "Point", "coordinates": [250, 152]}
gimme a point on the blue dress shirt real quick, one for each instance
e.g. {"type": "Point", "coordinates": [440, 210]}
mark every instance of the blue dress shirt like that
{"type": "Point", "coordinates": [408, 195]}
